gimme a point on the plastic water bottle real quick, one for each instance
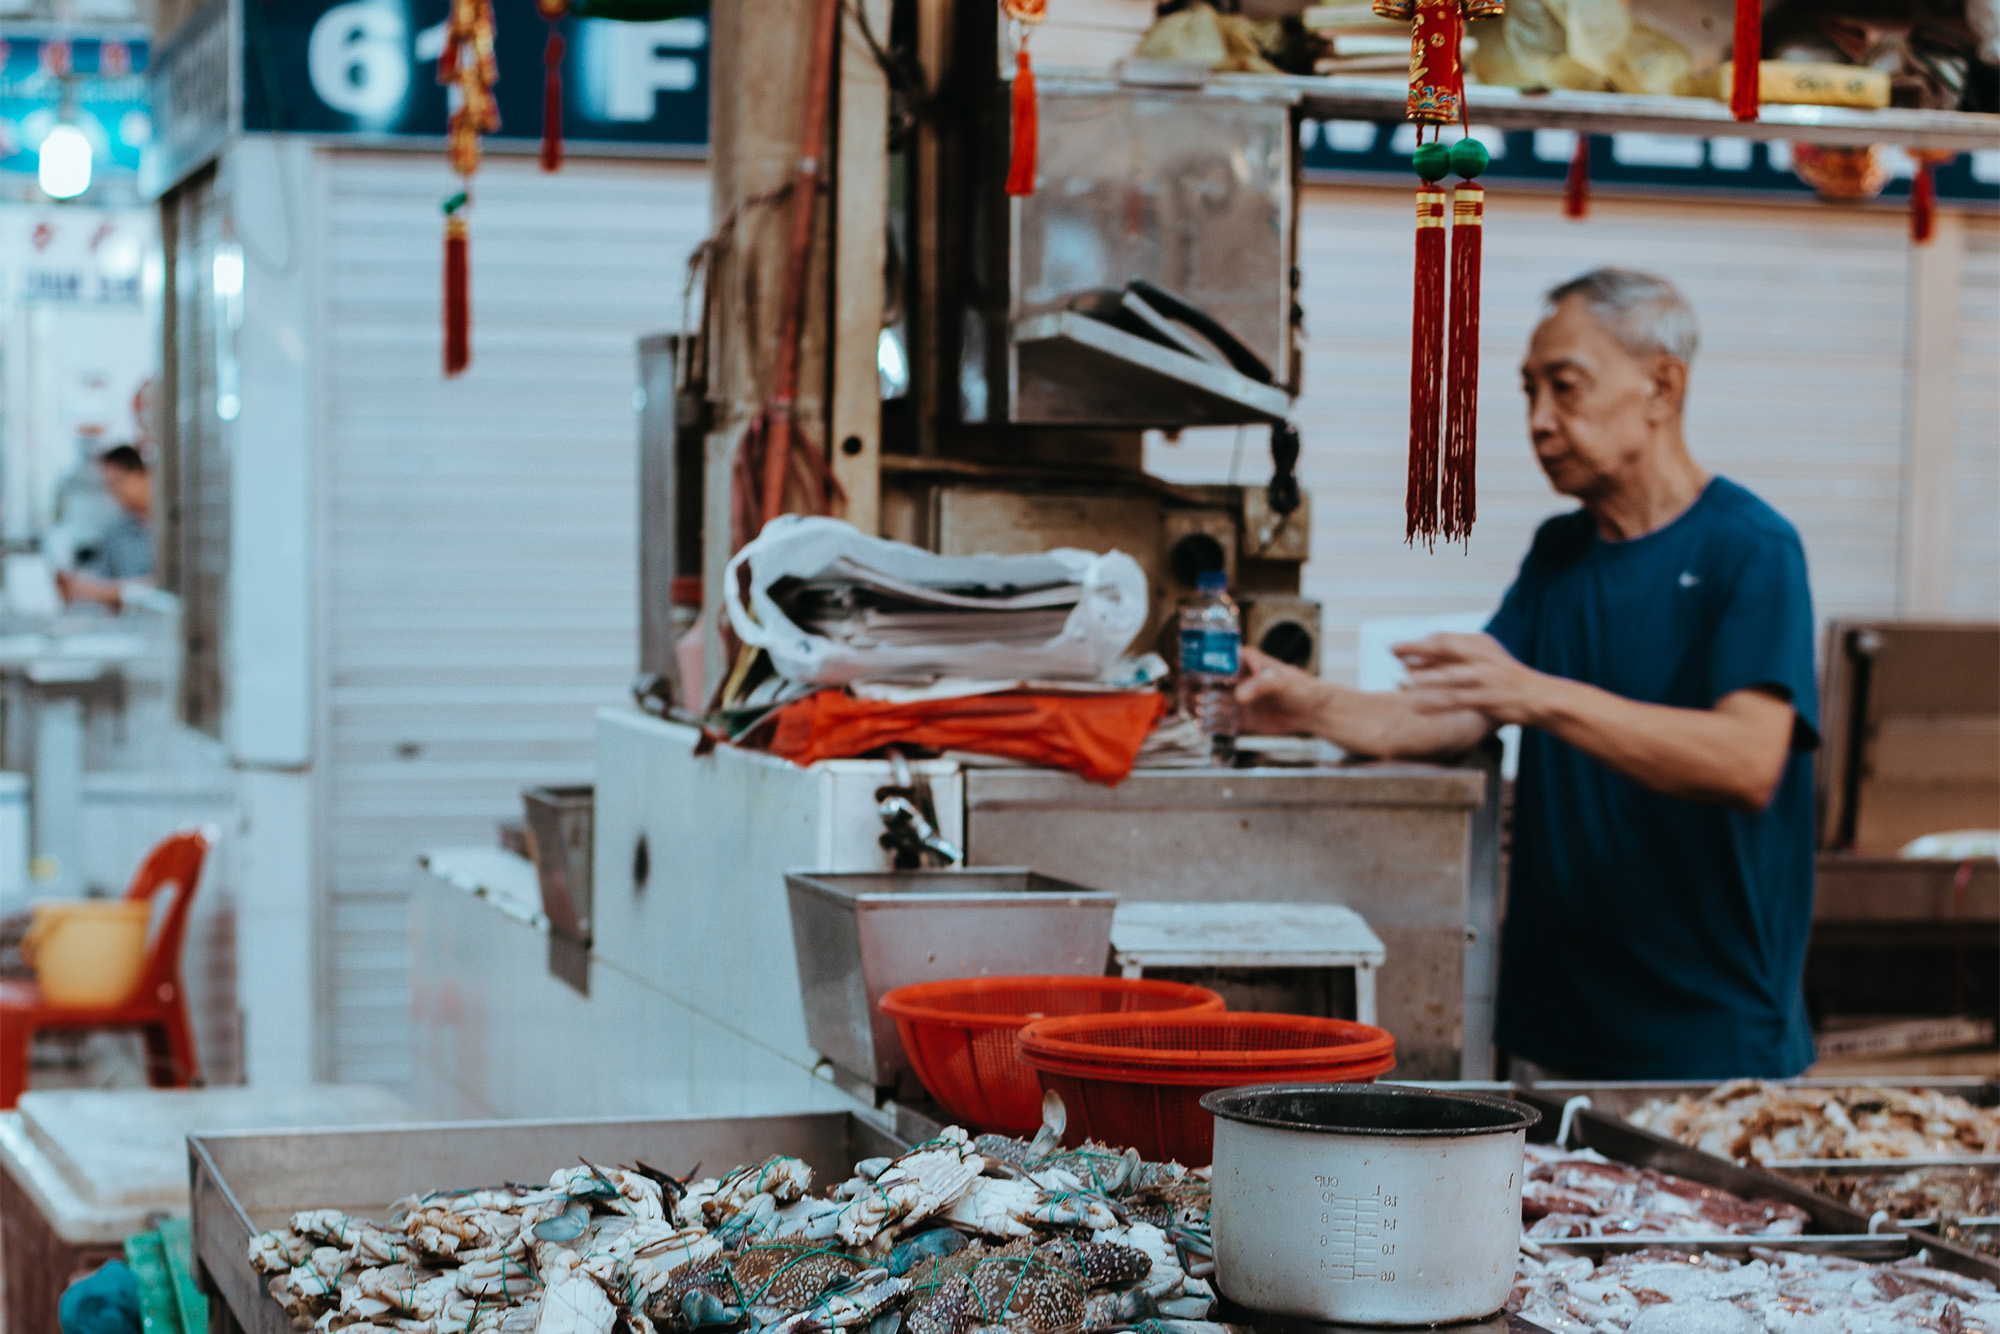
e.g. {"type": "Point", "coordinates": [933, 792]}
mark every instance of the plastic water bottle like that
{"type": "Point", "coordinates": [1211, 647]}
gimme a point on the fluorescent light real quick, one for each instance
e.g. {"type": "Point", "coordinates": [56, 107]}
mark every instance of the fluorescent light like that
{"type": "Point", "coordinates": [64, 168]}
{"type": "Point", "coordinates": [228, 270]}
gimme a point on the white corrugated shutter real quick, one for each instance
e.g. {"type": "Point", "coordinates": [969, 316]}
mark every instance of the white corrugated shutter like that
{"type": "Point", "coordinates": [1975, 465]}
{"type": "Point", "coordinates": [1798, 391]}
{"type": "Point", "coordinates": [478, 536]}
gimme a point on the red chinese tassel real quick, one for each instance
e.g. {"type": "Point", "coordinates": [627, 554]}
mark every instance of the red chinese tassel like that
{"type": "Point", "coordinates": [1923, 193]}
{"type": "Point", "coordinates": [1923, 204]}
{"type": "Point", "coordinates": [1439, 498]}
{"type": "Point", "coordinates": [1027, 128]}
{"type": "Point", "coordinates": [1576, 186]}
{"type": "Point", "coordinates": [457, 297]}
{"type": "Point", "coordinates": [1427, 344]}
{"type": "Point", "coordinates": [1461, 421]}
{"type": "Point", "coordinates": [1746, 59]}
{"type": "Point", "coordinates": [552, 58]}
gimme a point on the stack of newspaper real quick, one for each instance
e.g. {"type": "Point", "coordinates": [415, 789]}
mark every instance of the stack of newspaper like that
{"type": "Point", "coordinates": [862, 607]}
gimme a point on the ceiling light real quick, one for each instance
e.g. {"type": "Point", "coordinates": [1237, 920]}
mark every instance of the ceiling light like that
{"type": "Point", "coordinates": [64, 169]}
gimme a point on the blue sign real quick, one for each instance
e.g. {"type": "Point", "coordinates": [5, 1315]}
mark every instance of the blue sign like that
{"type": "Point", "coordinates": [1679, 162]}
{"type": "Point", "coordinates": [99, 83]}
{"type": "Point", "coordinates": [369, 67]}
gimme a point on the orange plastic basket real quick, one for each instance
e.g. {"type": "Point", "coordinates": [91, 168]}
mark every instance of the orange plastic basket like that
{"type": "Point", "coordinates": [960, 1035]}
{"type": "Point", "coordinates": [1137, 1081]}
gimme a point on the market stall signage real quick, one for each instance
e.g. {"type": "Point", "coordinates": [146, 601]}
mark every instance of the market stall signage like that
{"type": "Point", "coordinates": [368, 68]}
{"type": "Point", "coordinates": [98, 82]}
{"type": "Point", "coordinates": [1335, 148]}
{"type": "Point", "coordinates": [62, 255]}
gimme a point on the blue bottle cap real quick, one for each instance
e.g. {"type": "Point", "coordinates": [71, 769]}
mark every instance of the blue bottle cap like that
{"type": "Point", "coordinates": [1212, 581]}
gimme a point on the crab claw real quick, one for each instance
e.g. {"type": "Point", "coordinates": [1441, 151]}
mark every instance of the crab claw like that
{"type": "Point", "coordinates": [701, 1308]}
{"type": "Point", "coordinates": [1055, 1120]}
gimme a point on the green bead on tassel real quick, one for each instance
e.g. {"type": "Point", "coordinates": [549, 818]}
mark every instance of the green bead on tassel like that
{"type": "Point", "coordinates": [1468, 158]}
{"type": "Point", "coordinates": [1432, 161]}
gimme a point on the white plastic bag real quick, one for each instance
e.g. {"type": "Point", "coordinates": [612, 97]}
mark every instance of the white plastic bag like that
{"type": "Point", "coordinates": [1110, 612]}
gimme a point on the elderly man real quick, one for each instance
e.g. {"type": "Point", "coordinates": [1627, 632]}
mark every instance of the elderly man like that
{"type": "Point", "coordinates": [1657, 649]}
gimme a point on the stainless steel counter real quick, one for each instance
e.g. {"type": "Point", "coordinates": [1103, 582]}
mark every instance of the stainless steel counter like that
{"type": "Point", "coordinates": [694, 989]}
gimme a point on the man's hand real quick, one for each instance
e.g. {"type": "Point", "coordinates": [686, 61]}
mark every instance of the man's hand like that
{"type": "Point", "coordinates": [1276, 699]}
{"type": "Point", "coordinates": [89, 588]}
{"type": "Point", "coordinates": [1450, 672]}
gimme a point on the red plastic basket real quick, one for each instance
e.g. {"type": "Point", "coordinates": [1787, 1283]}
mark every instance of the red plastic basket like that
{"type": "Point", "coordinates": [1138, 1081]}
{"type": "Point", "coordinates": [960, 1035]}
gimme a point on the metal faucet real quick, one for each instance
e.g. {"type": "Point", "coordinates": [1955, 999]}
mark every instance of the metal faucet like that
{"type": "Point", "coordinates": [909, 819]}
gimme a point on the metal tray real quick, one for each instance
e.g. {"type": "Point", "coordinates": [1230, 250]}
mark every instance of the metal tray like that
{"type": "Point", "coordinates": [1503, 1323]}
{"type": "Point", "coordinates": [244, 1183]}
{"type": "Point", "coordinates": [1832, 1227]}
{"type": "Point", "coordinates": [1623, 1097]}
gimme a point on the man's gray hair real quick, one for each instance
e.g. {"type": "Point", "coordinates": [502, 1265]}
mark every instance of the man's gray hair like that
{"type": "Point", "coordinates": [1647, 315]}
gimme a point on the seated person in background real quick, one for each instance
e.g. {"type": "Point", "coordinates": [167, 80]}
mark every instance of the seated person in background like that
{"type": "Point", "coordinates": [124, 555]}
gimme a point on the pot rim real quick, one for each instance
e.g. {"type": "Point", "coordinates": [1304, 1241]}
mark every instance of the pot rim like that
{"type": "Point", "coordinates": [1218, 1105]}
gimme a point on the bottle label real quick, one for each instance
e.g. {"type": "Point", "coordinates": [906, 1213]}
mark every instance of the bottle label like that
{"type": "Point", "coordinates": [1212, 652]}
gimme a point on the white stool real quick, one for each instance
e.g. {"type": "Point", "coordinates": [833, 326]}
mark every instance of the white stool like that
{"type": "Point", "coordinates": [1248, 935]}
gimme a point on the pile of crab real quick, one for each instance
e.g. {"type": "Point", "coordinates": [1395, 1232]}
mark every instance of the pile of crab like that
{"type": "Point", "coordinates": [955, 1236]}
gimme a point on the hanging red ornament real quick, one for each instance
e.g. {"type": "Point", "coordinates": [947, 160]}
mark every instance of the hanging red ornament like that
{"type": "Point", "coordinates": [1026, 120]}
{"type": "Point", "coordinates": [1923, 192]}
{"type": "Point", "coordinates": [457, 293]}
{"type": "Point", "coordinates": [553, 12]}
{"type": "Point", "coordinates": [468, 68]}
{"type": "Point", "coordinates": [1457, 503]}
{"type": "Point", "coordinates": [1576, 185]}
{"type": "Point", "coordinates": [1439, 499]}
{"type": "Point", "coordinates": [1746, 59]}
{"type": "Point", "coordinates": [1427, 315]}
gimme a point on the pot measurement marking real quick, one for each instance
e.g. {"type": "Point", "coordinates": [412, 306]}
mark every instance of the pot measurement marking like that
{"type": "Point", "coordinates": [1357, 1234]}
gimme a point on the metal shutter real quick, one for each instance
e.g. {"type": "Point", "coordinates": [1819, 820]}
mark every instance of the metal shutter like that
{"type": "Point", "coordinates": [1798, 391]}
{"type": "Point", "coordinates": [194, 501]}
{"type": "Point", "coordinates": [478, 536]}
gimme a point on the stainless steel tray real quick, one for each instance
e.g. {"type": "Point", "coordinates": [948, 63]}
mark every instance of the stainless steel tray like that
{"type": "Point", "coordinates": [1622, 1098]}
{"type": "Point", "coordinates": [1833, 1227]}
{"type": "Point", "coordinates": [1855, 1246]}
{"type": "Point", "coordinates": [243, 1183]}
{"type": "Point", "coordinates": [1504, 1323]}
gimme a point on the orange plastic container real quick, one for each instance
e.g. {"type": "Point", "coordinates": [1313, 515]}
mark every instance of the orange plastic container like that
{"type": "Point", "coordinates": [960, 1035]}
{"type": "Point", "coordinates": [1137, 1080]}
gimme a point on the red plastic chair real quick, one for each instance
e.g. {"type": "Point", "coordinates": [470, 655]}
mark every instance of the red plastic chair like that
{"type": "Point", "coordinates": [157, 1005]}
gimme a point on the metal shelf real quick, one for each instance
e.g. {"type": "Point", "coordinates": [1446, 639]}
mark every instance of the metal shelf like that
{"type": "Point", "coordinates": [1349, 98]}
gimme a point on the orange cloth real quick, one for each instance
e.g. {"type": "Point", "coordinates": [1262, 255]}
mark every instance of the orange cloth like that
{"type": "Point", "coordinates": [1097, 736]}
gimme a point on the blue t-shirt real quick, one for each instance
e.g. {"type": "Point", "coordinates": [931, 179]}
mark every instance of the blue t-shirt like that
{"type": "Point", "coordinates": [1649, 937]}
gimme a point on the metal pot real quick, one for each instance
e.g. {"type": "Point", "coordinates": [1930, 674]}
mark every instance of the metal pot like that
{"type": "Point", "coordinates": [1367, 1204]}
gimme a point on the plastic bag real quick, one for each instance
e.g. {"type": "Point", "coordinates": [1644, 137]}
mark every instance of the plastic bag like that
{"type": "Point", "coordinates": [1109, 613]}
{"type": "Point", "coordinates": [1652, 63]}
{"type": "Point", "coordinates": [1597, 31]}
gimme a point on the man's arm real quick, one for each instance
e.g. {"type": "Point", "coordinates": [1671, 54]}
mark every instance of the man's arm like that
{"type": "Point", "coordinates": [1277, 699]}
{"type": "Point", "coordinates": [1733, 753]}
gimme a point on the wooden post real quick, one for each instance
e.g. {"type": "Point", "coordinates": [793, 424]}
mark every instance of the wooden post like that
{"type": "Point", "coordinates": [928, 337]}
{"type": "Point", "coordinates": [759, 57]}
{"type": "Point", "coordinates": [860, 241]}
